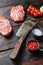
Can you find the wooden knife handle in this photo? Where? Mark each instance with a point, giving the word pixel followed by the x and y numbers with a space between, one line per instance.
pixel 16 49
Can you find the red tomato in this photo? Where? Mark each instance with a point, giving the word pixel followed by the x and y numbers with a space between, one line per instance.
pixel 28 10
pixel 33 46
pixel 35 14
pixel 36 10
pixel 33 9
pixel 39 13
pixel 32 12
pixel 30 7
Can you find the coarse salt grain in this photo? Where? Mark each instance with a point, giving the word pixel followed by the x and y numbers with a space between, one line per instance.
pixel 37 32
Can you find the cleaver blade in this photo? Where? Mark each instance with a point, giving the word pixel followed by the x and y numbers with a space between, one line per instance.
pixel 25 28
pixel 22 32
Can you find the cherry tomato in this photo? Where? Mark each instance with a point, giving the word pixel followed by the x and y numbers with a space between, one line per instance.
pixel 32 12
pixel 35 14
pixel 30 7
pixel 33 9
pixel 39 13
pixel 36 10
pixel 28 10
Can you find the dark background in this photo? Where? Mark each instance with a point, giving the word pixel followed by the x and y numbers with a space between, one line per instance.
pixel 37 3
pixel 25 57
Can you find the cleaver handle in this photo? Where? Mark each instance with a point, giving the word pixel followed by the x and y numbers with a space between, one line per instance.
pixel 16 49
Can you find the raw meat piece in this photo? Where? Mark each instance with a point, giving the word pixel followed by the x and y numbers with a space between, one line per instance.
pixel 5 27
pixel 17 13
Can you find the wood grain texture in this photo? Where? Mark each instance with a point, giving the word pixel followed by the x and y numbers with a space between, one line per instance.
pixel 36 62
pixel 25 57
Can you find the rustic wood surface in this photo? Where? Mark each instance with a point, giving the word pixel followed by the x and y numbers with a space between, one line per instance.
pixel 25 57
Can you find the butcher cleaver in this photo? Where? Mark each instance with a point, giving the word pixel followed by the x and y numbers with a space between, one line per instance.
pixel 22 33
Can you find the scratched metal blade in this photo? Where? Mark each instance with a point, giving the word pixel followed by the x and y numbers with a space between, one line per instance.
pixel 26 27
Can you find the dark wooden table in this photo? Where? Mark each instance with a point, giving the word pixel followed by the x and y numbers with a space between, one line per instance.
pixel 25 57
